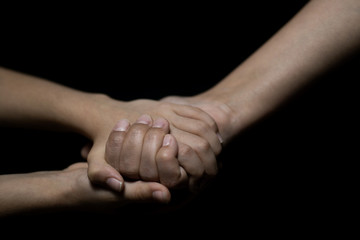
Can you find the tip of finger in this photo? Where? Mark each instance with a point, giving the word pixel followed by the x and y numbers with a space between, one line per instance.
pixel 122 125
pixel 145 119
pixel 161 123
pixel 161 196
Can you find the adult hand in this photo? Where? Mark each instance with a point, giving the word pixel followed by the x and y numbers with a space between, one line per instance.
pixel 195 131
pixel 70 189
pixel 146 151
pixel 85 194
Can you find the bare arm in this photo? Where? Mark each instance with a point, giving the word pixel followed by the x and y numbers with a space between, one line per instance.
pixel 31 101
pixel 53 191
pixel 321 35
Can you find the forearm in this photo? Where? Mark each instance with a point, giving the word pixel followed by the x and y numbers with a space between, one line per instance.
pixel 318 37
pixel 31 101
pixel 33 192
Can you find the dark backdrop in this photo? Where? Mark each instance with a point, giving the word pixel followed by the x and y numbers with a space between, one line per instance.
pixel 289 171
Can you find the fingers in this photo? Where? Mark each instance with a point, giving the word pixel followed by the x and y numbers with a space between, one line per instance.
pixel 114 143
pixel 201 129
pixel 194 144
pixel 86 194
pixel 170 172
pixel 146 153
pixel 193 127
pixel 152 143
pixel 196 113
pixel 199 144
pixel 146 192
pixel 130 157
pixel 101 173
pixel 194 166
pixel 198 122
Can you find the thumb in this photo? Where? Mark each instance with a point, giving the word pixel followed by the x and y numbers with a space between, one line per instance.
pixel 103 174
pixel 146 192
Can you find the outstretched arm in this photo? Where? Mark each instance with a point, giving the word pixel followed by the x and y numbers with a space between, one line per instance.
pixel 320 36
pixel 30 101
pixel 53 191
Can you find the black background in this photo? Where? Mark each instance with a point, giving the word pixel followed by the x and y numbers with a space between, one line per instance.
pixel 291 171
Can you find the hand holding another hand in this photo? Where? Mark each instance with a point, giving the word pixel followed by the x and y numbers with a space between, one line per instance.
pixel 146 151
pixel 189 153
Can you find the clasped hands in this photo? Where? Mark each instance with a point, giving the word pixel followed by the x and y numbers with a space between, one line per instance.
pixel 168 145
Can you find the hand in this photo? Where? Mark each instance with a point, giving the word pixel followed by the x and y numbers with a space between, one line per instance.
pixel 70 189
pixel 145 151
pixel 195 131
pixel 85 194
pixel 220 112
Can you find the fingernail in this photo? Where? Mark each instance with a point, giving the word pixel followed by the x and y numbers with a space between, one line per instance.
pixel 220 138
pixel 159 123
pixel 144 119
pixel 114 184
pixel 160 196
pixel 122 125
pixel 167 140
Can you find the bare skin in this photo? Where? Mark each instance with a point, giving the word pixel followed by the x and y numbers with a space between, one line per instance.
pixel 52 191
pixel 29 101
pixel 145 150
pixel 311 43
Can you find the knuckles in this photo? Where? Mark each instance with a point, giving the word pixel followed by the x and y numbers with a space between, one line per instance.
pixel 138 130
pixel 148 174
pixel 163 157
pixel 202 146
pixel 185 150
pixel 170 182
pixel 129 170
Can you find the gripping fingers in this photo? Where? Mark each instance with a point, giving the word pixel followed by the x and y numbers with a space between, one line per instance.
pixel 171 174
pixel 130 155
pixel 115 142
pixel 204 126
pixel 140 191
pixel 193 165
pixel 200 129
pixel 198 145
pixel 197 113
pixel 152 143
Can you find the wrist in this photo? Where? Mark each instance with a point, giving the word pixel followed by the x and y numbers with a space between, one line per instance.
pixel 57 190
pixel 248 96
pixel 93 112
pixel 218 107
pixel 237 102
